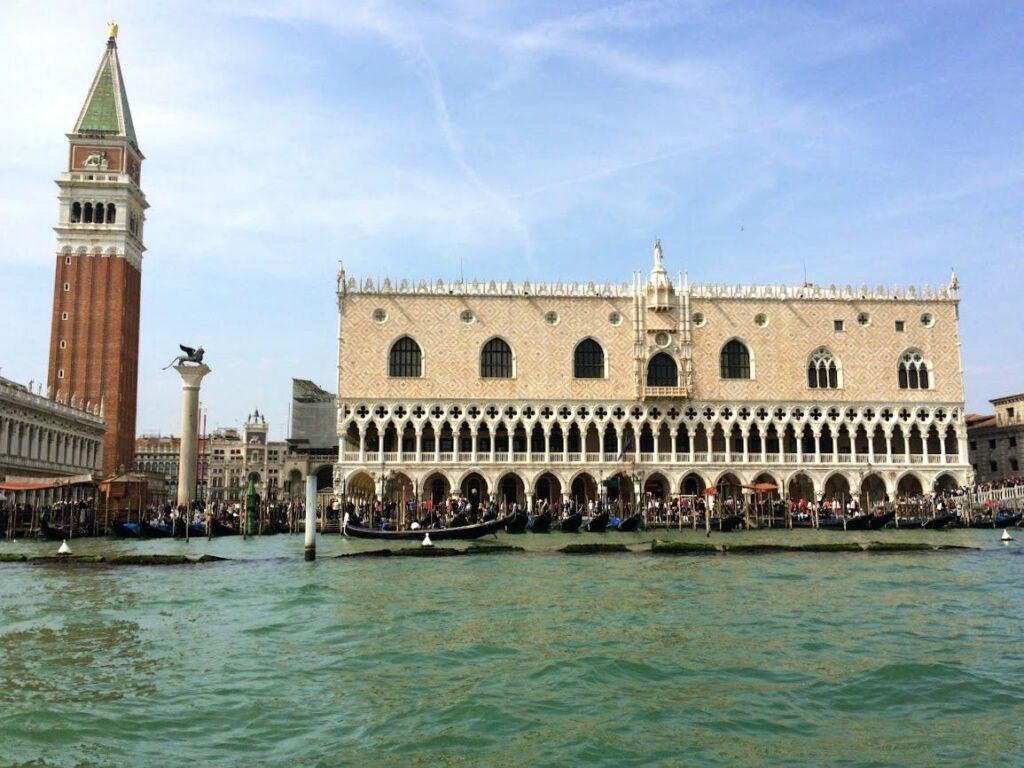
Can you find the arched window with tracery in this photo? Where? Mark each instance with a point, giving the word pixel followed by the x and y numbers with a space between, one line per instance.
pixel 405 360
pixel 662 371
pixel 914 372
pixel 588 360
pixel 496 360
pixel 822 370
pixel 735 360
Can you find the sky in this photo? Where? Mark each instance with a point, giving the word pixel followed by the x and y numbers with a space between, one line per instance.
pixel 872 143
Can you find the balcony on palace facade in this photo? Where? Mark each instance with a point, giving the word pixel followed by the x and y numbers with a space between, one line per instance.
pixel 680 458
pixel 663 393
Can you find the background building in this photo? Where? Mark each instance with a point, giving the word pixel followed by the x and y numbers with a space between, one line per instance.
pixel 94 339
pixel 314 414
pixel 157 455
pixel 996 442
pixel 548 390
pixel 313 443
pixel 44 438
pixel 235 457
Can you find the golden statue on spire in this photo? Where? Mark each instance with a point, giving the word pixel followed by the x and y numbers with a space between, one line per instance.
pixel 112 29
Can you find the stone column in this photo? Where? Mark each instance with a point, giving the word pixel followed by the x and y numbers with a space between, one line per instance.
pixel 309 550
pixel 191 379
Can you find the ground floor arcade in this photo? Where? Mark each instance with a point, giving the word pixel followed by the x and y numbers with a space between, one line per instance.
pixel 529 485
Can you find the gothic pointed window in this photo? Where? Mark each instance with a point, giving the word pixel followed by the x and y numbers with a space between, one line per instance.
pixel 913 371
pixel 662 371
pixel 496 360
pixel 735 360
pixel 823 370
pixel 588 360
pixel 405 360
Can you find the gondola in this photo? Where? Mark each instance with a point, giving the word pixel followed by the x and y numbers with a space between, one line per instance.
pixel 875 522
pixel 540 523
pixel 940 522
pixel 156 530
pixel 999 521
pixel 124 530
pixel 727 523
pixel 629 524
pixel 596 524
pixel 917 523
pixel 516 523
pixel 436 534
pixel 859 522
pixel 571 524
pixel 219 529
pixel 53 532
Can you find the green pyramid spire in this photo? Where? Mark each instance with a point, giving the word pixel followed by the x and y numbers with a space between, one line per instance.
pixel 106 108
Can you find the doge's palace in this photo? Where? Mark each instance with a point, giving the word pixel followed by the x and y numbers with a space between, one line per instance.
pixel 534 391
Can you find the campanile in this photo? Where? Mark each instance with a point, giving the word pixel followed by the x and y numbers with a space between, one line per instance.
pixel 94 337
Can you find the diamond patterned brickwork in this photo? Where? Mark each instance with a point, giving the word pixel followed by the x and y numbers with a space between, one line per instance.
pixel 543 361
pixel 868 354
pixel 451 347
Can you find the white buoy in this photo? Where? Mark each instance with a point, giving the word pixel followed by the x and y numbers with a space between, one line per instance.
pixel 426 541
pixel 64 548
pixel 1006 536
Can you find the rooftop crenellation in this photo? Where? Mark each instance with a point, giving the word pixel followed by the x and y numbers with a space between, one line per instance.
pixel 808 292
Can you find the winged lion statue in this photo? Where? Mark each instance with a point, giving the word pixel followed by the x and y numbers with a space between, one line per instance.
pixel 192 355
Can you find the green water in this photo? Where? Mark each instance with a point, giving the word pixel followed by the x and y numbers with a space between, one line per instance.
pixel 525 659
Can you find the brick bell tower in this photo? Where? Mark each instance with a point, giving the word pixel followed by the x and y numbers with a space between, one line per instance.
pixel 94 337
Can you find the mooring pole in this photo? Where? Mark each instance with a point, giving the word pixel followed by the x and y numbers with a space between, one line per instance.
pixel 311 517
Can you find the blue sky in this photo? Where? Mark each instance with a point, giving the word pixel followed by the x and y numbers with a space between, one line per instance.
pixel 875 143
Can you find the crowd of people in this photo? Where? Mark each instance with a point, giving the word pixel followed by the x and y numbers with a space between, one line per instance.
pixel 765 510
pixel 82 517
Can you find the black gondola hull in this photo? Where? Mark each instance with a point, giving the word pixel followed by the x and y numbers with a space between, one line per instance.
pixel 436 534
pixel 571 524
pixel 876 522
pixel 53 532
pixel 516 523
pixel 629 524
pixel 540 523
